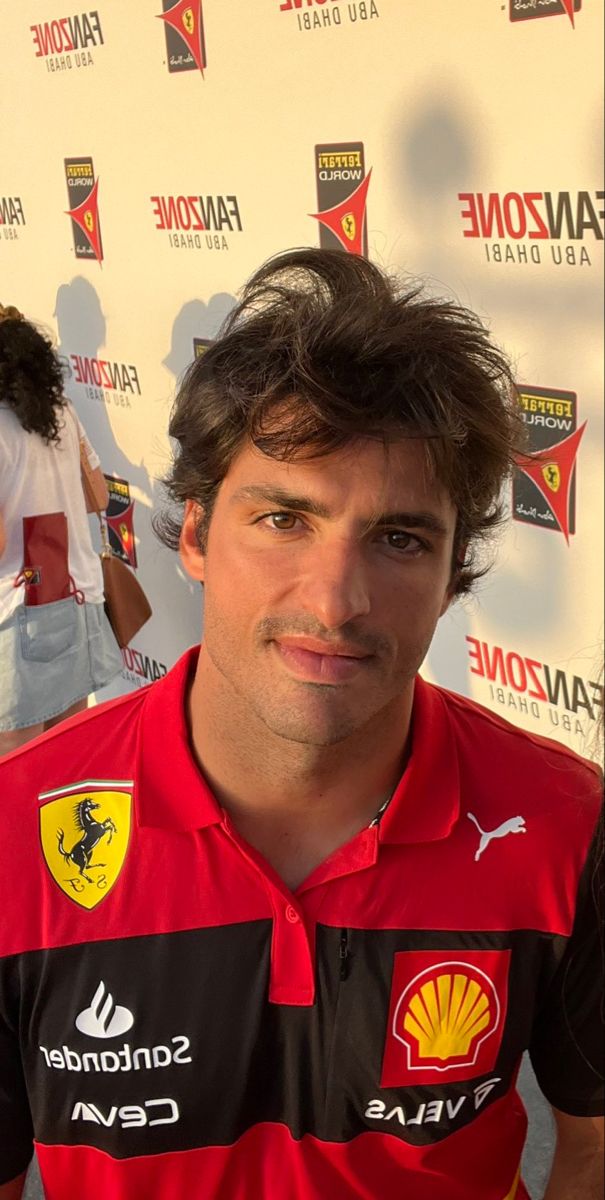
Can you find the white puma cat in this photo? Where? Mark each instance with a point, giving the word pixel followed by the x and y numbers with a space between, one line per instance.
pixel 513 825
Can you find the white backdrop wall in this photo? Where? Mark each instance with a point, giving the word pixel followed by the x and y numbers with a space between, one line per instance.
pixel 193 141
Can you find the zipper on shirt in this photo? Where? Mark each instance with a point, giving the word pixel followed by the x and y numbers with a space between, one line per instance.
pixel 343 954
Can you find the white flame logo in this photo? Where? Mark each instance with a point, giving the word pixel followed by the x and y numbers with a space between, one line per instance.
pixel 104 1019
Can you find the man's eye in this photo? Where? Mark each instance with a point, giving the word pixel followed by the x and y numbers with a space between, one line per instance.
pixel 399 540
pixel 282 521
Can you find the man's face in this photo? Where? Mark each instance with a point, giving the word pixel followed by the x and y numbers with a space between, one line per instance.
pixel 324 580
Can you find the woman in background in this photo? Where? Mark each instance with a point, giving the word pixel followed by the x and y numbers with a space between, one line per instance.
pixel 56 644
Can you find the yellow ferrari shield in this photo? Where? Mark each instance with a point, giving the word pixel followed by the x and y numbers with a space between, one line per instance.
pixel 84 833
pixel 188 20
pixel 349 226
pixel 89 220
pixel 552 476
pixel 513 1191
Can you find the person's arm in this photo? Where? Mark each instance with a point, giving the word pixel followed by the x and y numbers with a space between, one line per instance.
pixel 94 484
pixel 578 1166
pixel 567 1043
pixel 93 480
pixel 16 1125
pixel 97 497
pixel 14 1189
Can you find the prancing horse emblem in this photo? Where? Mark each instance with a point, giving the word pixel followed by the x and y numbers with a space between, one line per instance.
pixel 84 834
pixel 92 833
pixel 513 825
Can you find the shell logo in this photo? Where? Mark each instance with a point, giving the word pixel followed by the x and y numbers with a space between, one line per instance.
pixel 445 1014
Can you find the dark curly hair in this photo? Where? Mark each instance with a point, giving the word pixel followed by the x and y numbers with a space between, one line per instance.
pixel 325 348
pixel 31 379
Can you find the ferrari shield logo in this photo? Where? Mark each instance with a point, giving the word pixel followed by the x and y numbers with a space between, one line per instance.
pixel 552 476
pixel 513 1191
pixel 349 226
pixel 84 832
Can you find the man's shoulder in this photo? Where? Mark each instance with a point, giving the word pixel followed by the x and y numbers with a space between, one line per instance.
pixel 487 742
pixel 99 742
pixel 45 788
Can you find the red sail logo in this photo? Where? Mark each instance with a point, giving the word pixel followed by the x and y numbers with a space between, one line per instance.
pixel 551 470
pixel 185 17
pixel 569 9
pixel 86 216
pixel 347 219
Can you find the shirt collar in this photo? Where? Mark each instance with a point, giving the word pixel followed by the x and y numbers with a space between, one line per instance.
pixel 171 792
pixel 426 802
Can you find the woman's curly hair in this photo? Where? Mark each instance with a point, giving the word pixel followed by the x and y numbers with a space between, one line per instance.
pixel 31 379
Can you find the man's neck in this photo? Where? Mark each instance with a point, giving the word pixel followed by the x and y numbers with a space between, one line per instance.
pixel 293 802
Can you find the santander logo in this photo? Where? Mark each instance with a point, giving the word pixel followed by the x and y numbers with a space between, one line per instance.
pixel 103 1018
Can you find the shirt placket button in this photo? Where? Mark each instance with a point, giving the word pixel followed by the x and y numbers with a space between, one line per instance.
pixel 292 915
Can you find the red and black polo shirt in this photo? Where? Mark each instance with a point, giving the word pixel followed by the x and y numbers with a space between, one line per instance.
pixel 175 1022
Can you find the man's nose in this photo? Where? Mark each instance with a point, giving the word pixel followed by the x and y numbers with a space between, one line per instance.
pixel 336 587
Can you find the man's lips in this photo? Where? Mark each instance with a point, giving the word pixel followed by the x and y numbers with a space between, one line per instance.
pixel 317 646
pixel 321 662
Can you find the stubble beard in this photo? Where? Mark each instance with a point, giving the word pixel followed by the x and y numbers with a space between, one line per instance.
pixel 309 714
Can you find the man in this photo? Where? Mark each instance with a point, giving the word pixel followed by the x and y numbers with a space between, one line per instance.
pixel 282 925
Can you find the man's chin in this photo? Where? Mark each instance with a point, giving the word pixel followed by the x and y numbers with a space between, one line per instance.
pixel 311 730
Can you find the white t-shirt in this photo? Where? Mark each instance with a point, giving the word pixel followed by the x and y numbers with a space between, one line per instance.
pixel 37 478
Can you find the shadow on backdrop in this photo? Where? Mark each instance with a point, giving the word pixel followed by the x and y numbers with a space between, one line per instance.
pixel 441 149
pixel 195 320
pixel 82 330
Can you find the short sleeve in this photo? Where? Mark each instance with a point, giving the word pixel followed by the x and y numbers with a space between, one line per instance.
pixel 16 1132
pixel 6 458
pixel 567 1047
pixel 91 454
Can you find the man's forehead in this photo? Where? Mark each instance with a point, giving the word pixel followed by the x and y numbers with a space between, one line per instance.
pixel 380 477
pixel 392 459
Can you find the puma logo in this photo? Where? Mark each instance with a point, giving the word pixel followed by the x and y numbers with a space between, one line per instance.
pixel 513 825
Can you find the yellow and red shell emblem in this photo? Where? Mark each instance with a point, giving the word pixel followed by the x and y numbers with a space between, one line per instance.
pixel 444 1014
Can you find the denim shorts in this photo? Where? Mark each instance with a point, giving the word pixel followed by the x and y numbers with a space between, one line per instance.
pixel 52 655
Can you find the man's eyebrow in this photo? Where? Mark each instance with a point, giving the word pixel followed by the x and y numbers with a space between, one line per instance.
pixel 285 499
pixel 412 520
pixel 282 498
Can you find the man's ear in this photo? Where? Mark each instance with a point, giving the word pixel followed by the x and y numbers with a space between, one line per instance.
pixel 449 597
pixel 192 557
pixel 452 591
